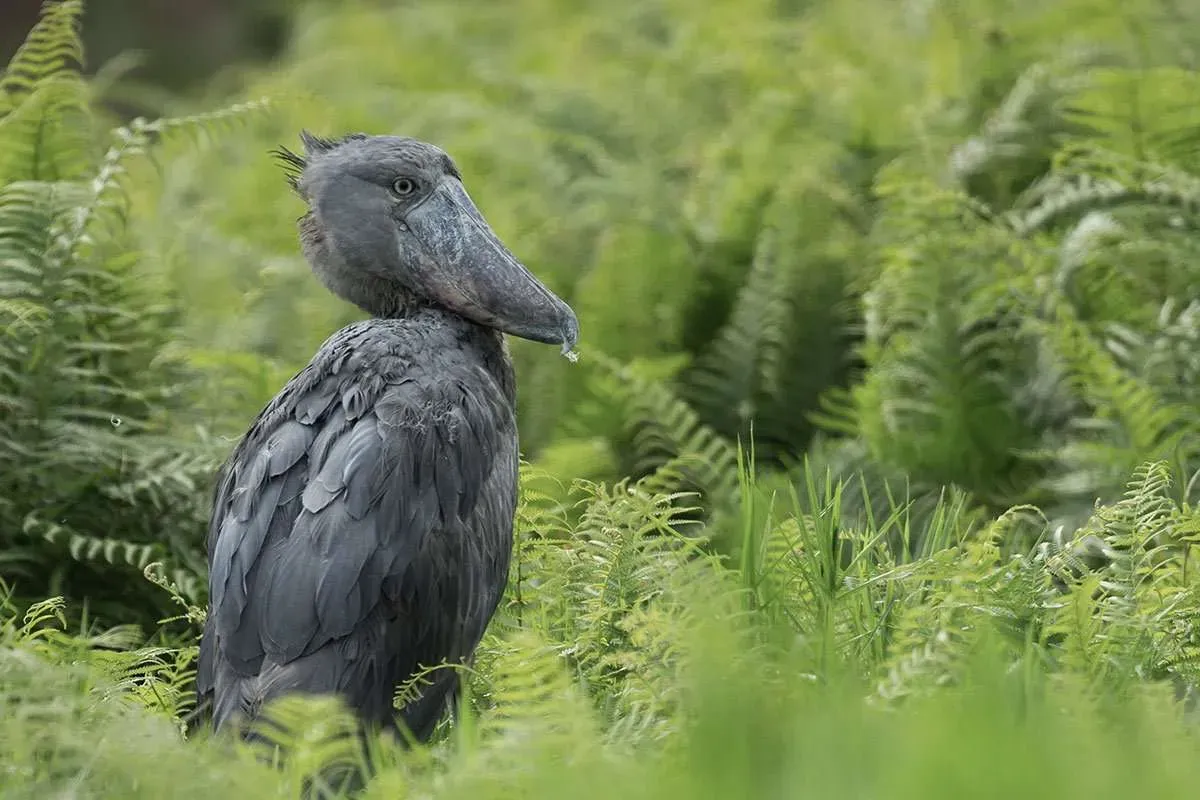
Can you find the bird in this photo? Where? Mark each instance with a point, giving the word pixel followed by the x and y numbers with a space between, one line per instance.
pixel 362 527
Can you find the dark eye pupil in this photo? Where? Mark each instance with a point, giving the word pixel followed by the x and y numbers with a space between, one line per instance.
pixel 403 186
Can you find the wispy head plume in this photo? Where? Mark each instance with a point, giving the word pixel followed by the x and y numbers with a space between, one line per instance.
pixel 314 146
pixel 293 166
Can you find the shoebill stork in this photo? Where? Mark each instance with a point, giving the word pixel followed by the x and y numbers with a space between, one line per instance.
pixel 362 528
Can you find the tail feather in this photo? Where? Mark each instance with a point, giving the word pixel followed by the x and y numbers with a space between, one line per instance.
pixel 233 700
pixel 323 672
pixel 365 685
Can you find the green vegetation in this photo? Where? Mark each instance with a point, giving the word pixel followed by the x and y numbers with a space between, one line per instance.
pixel 875 478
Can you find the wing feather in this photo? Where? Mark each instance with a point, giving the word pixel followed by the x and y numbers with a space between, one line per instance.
pixel 361 491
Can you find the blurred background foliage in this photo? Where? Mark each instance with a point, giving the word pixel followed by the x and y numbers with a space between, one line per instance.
pixel 751 205
pixel 929 264
pixel 164 47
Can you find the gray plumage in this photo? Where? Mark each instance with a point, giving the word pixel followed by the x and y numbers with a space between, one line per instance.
pixel 362 528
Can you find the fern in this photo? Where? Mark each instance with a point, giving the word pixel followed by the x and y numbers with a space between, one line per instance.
pixel 1090 179
pixel 94 478
pixel 1017 140
pixel 1130 424
pixel 1146 114
pixel 664 429
pixel 1129 619
pixel 43 102
pixel 786 340
pixel 610 592
pixel 1164 355
pixel 945 349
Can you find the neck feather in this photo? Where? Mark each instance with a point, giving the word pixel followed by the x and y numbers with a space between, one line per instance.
pixel 377 296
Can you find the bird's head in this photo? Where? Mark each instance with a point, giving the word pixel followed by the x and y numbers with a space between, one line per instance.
pixel 390 223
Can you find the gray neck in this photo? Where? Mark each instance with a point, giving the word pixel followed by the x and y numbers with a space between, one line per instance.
pixel 376 296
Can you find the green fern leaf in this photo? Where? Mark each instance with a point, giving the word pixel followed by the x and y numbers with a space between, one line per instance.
pixel 51 48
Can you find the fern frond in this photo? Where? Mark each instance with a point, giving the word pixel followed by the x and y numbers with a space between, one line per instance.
pixel 531 693
pixel 162 472
pixel 1089 179
pixel 747 353
pixel 316 742
pixel 1019 135
pixel 51 48
pixel 85 548
pixel 958 599
pixel 664 427
pixel 1129 421
pixel 1137 600
pixel 787 338
pixel 945 347
pixel 1148 113
pixel 49 136
pixel 1167 356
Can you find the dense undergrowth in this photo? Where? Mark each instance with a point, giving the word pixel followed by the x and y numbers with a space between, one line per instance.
pixel 876 475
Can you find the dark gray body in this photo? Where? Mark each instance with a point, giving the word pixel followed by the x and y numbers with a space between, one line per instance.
pixel 362 529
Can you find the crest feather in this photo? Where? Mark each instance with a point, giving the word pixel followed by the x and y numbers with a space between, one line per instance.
pixel 295 164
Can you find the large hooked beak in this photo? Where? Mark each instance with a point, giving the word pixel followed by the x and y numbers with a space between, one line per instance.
pixel 466 267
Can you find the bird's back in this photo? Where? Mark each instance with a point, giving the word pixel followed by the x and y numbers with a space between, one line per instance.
pixel 362 528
